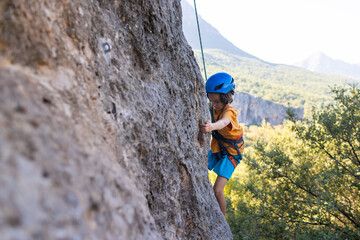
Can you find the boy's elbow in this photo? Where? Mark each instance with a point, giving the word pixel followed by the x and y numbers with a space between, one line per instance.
pixel 225 123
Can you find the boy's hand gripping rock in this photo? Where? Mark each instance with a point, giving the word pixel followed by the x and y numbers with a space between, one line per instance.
pixel 207 127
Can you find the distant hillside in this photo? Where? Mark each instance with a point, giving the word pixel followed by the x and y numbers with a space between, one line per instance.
pixel 211 38
pixel 253 110
pixel 319 62
pixel 281 84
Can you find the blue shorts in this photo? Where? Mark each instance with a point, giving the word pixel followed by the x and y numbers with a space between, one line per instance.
pixel 221 164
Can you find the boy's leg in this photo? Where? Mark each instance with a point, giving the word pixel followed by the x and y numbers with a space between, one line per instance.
pixel 219 192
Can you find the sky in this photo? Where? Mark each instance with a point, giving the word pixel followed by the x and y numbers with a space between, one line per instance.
pixel 287 31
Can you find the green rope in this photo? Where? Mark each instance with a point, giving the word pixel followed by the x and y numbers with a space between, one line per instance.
pixel 202 51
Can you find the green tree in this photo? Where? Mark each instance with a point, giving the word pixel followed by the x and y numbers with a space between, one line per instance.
pixel 334 133
pixel 302 181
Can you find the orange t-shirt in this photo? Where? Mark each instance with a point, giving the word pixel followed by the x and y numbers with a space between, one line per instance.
pixel 231 131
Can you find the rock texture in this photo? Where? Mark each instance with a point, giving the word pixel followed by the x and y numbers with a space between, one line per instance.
pixel 253 110
pixel 99 144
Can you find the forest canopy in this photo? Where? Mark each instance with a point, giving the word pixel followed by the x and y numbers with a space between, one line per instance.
pixel 301 180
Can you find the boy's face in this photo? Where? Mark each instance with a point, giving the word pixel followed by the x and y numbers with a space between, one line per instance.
pixel 216 102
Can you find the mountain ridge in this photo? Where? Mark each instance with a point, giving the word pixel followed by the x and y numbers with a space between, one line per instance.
pixel 211 37
pixel 319 62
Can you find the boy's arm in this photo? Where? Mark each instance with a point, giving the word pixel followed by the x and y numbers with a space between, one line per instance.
pixel 218 125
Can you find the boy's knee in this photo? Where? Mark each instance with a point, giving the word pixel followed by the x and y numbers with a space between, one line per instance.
pixel 218 192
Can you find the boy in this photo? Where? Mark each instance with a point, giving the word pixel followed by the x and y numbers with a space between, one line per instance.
pixel 227 144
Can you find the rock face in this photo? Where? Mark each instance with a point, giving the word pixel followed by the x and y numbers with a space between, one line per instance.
pixel 253 110
pixel 99 138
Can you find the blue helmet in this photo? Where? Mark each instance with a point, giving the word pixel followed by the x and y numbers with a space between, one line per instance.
pixel 220 83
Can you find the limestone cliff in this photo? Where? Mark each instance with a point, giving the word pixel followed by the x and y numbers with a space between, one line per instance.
pixel 99 138
pixel 253 110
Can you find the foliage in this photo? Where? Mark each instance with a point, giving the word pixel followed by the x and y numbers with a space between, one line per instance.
pixel 302 180
pixel 275 82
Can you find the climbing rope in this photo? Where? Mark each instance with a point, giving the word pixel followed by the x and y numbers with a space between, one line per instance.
pixel 202 51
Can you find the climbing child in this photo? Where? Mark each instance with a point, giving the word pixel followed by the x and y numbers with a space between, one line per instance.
pixel 227 143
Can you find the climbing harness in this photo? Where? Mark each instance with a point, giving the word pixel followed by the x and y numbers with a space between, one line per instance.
pixel 198 26
pixel 221 140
